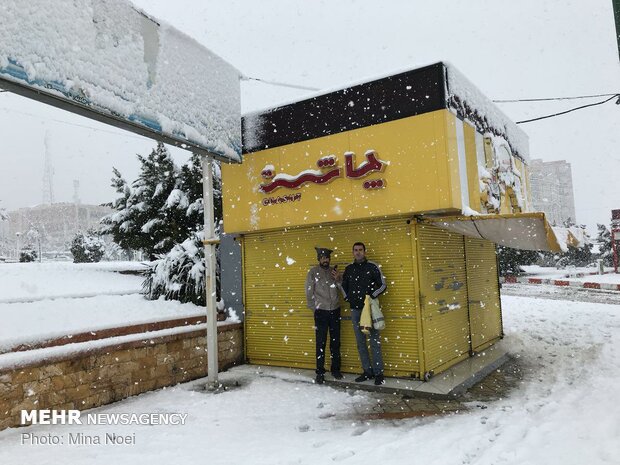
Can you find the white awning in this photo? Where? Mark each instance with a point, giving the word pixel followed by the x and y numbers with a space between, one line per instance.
pixel 525 231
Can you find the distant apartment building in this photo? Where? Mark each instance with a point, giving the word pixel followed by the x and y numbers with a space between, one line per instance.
pixel 552 190
pixel 54 226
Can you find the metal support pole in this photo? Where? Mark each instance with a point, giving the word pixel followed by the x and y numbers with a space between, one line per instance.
pixel 615 249
pixel 210 242
pixel 616 6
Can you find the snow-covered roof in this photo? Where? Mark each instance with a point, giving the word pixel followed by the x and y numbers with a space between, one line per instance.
pixel 399 94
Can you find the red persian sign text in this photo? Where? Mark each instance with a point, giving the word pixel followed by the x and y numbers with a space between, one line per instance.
pixel 327 172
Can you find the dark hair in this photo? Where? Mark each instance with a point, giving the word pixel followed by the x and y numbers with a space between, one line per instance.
pixel 360 243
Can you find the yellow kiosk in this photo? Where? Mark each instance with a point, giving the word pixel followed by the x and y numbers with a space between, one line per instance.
pixel 419 166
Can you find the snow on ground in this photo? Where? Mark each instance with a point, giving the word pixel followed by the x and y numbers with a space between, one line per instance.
pixel 41 301
pixel 563 413
pixel 24 323
pixel 569 274
pixel 32 281
pixel 550 272
pixel 611 278
pixel 576 294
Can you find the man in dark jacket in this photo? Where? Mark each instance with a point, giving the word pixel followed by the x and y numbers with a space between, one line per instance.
pixel 362 278
pixel 323 298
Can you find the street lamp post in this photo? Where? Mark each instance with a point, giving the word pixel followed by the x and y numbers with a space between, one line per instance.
pixel 17 235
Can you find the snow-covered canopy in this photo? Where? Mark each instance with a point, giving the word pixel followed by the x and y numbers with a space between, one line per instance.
pixel 114 59
pixel 574 236
pixel 580 235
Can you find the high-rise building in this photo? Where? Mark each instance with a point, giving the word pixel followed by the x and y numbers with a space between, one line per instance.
pixel 552 190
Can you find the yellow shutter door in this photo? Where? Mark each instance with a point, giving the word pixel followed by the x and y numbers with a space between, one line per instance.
pixel 484 304
pixel 279 327
pixel 443 297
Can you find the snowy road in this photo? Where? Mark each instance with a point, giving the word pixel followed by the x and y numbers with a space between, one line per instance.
pixel 564 412
pixel 542 291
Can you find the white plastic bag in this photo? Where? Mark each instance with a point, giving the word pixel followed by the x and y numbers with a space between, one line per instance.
pixel 378 322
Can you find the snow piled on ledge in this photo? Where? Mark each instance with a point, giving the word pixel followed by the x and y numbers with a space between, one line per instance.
pixel 470 103
pixel 112 57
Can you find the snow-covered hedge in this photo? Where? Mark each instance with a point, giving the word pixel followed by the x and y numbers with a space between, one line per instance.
pixel 28 255
pixel 87 248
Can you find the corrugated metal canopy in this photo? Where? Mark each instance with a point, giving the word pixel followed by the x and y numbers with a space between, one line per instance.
pixel 525 231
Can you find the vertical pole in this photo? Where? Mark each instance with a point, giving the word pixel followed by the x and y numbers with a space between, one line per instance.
pixel 616 6
pixel 615 251
pixel 210 243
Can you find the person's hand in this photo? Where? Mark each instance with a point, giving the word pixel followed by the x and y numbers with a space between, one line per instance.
pixel 337 275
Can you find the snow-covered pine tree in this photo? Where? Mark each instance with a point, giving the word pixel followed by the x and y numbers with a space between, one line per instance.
pixel 120 224
pixel 511 260
pixel 161 213
pixel 179 274
pixel 604 244
pixel 150 203
pixel 191 185
pixel 152 213
pixel 4 247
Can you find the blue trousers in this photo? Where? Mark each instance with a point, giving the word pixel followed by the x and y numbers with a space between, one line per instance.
pixel 362 347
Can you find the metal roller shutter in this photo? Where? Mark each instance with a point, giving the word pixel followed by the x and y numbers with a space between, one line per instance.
pixel 483 290
pixel 443 297
pixel 278 325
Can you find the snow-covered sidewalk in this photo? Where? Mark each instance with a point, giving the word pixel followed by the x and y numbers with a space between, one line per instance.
pixel 564 412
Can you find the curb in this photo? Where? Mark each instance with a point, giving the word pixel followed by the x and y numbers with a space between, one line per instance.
pixel 560 282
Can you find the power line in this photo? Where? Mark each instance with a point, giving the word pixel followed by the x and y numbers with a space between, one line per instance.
pixel 277 83
pixel 542 99
pixel 553 98
pixel 572 109
pixel 296 86
pixel 71 124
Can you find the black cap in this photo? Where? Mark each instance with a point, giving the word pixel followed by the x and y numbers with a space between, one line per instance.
pixel 322 252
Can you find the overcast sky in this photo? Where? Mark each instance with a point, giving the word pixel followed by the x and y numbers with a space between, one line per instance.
pixel 526 49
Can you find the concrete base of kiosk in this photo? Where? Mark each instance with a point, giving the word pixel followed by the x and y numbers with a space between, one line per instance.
pixel 449 384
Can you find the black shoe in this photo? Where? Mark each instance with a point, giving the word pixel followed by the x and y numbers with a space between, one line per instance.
pixel 363 377
pixel 379 380
pixel 337 375
pixel 320 378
